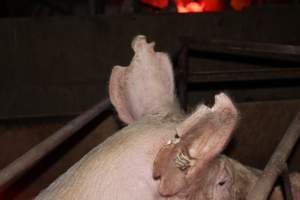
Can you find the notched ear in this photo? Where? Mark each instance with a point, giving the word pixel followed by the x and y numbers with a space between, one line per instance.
pixel 203 135
pixel 146 86
pixel 208 130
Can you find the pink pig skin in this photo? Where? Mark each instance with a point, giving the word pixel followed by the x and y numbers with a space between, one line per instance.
pixel 140 162
pixel 121 167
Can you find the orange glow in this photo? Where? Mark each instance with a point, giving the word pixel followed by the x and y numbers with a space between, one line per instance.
pixel 240 4
pixel 190 7
pixel 214 5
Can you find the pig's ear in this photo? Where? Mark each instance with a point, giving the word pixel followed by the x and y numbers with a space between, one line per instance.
pixel 207 131
pixel 203 135
pixel 117 93
pixel 146 86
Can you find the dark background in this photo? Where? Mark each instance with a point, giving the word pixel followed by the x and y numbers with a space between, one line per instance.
pixel 54 66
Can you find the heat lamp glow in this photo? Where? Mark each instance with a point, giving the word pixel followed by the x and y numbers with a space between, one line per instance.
pixel 196 6
pixel 191 7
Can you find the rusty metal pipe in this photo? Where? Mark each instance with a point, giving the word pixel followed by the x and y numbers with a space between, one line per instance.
pixel 18 167
pixel 277 163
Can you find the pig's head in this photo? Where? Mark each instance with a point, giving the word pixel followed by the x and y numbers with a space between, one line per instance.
pixel 187 166
pixel 146 87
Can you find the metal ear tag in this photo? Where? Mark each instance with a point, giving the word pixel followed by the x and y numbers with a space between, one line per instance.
pixel 182 161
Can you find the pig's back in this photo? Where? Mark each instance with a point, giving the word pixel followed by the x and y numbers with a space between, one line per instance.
pixel 119 168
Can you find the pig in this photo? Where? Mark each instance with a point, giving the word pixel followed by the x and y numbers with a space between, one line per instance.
pixel 163 154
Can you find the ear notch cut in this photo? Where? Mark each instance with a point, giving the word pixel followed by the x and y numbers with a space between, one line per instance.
pixel 207 131
pixel 203 135
pixel 145 86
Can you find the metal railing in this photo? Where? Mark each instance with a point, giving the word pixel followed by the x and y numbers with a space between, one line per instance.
pixel 22 164
pixel 277 165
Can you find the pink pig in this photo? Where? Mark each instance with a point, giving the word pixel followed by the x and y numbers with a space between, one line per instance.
pixel 162 153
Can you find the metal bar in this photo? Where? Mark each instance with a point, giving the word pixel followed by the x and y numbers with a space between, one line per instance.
pixel 284 52
pixel 287 183
pixel 259 47
pixel 14 170
pixel 276 164
pixel 244 75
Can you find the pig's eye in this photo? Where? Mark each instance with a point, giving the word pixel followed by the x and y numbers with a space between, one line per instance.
pixel 221 183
